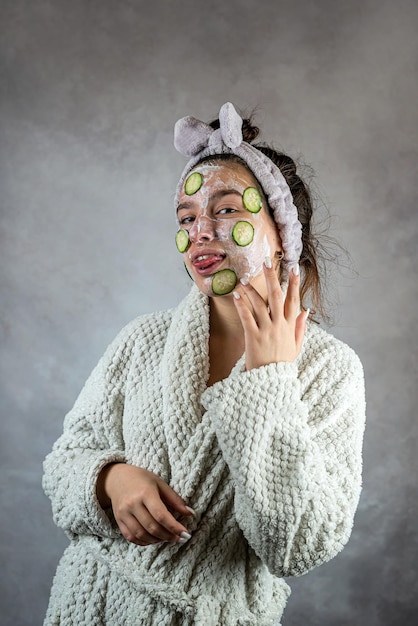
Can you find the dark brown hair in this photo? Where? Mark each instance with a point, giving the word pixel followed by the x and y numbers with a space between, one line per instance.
pixel 311 283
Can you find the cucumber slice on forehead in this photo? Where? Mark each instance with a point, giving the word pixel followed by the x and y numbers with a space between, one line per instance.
pixel 243 233
pixel 182 240
pixel 224 282
pixel 193 183
pixel 252 200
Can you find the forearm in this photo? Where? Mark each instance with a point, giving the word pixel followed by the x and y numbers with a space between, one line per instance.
pixel 91 440
pixel 70 481
pixel 297 488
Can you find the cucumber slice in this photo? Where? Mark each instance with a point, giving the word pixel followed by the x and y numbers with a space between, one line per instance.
pixel 193 183
pixel 223 282
pixel 243 233
pixel 252 200
pixel 182 240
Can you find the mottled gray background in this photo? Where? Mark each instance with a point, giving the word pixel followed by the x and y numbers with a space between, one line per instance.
pixel 90 91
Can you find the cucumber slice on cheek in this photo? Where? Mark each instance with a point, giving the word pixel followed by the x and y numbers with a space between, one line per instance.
pixel 243 233
pixel 251 199
pixel 182 240
pixel 224 282
pixel 193 183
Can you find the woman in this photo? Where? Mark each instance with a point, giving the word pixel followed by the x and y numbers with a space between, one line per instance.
pixel 216 447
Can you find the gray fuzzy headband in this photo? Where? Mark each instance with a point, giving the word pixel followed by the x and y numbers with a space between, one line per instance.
pixel 197 140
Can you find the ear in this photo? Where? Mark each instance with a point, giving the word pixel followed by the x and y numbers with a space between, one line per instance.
pixel 278 257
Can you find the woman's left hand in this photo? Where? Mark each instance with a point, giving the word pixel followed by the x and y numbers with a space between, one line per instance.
pixel 274 331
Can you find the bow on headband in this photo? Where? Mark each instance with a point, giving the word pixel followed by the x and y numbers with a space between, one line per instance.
pixel 191 136
pixel 197 140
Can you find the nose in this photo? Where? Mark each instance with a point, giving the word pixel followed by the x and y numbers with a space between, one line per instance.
pixel 203 229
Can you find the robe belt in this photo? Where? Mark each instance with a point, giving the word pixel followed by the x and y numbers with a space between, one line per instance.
pixel 203 609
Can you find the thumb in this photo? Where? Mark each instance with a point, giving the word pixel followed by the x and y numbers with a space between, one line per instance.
pixel 172 499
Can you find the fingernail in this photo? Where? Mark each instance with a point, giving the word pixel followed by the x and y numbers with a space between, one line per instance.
pixel 185 535
pixel 295 269
pixel 308 310
pixel 267 262
pixel 236 295
pixel 243 281
pixel 192 511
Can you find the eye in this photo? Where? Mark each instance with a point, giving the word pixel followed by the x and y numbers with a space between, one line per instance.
pixel 226 210
pixel 186 220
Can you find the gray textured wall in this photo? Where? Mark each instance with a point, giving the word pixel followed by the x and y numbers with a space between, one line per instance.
pixel 89 94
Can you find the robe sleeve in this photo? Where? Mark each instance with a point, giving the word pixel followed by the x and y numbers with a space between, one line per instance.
pixel 92 438
pixel 293 441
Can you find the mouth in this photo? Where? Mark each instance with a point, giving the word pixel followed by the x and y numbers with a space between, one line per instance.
pixel 206 264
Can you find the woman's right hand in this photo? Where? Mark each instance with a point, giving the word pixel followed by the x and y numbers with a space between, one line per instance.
pixel 139 501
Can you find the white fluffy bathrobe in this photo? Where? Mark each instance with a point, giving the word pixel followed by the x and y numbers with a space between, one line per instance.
pixel 270 459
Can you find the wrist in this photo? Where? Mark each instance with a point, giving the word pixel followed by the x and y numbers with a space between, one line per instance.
pixel 102 485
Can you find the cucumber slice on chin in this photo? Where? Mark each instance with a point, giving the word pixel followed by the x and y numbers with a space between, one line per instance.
pixel 243 233
pixel 252 200
pixel 182 240
pixel 193 183
pixel 224 282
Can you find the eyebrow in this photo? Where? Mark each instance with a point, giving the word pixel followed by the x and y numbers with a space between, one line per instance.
pixel 216 196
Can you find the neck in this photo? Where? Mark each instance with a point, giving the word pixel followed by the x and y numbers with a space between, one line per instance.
pixel 224 319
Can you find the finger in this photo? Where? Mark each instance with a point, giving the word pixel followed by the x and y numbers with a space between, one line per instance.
pixel 245 314
pixel 259 307
pixel 135 533
pixel 274 291
pixel 292 300
pixel 162 516
pixel 154 529
pixel 172 499
pixel 300 328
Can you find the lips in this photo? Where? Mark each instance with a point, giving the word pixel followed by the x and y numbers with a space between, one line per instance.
pixel 207 262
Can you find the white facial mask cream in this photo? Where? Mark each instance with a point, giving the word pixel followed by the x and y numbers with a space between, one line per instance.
pixel 245 261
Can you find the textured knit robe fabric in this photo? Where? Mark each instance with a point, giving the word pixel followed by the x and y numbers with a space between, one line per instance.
pixel 270 460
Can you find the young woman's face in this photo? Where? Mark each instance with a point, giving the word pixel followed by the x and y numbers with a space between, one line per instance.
pixel 209 216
